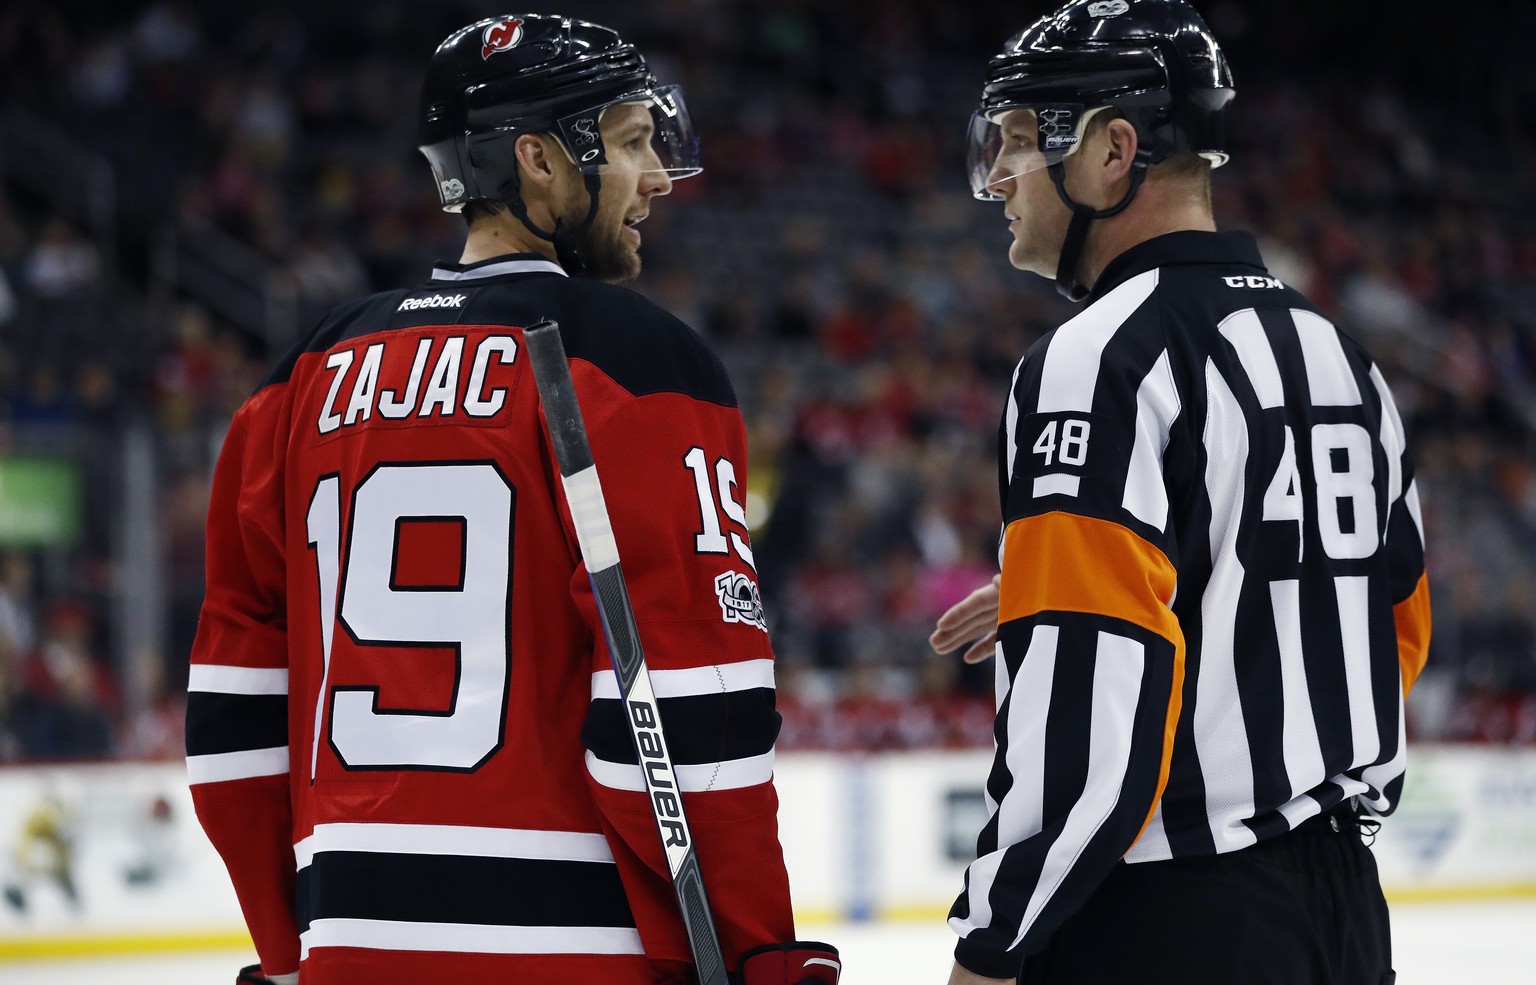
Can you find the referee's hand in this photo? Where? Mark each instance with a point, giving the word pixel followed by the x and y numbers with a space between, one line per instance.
pixel 972 617
pixel 960 976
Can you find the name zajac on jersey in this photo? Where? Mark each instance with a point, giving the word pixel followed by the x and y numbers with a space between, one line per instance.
pixel 357 392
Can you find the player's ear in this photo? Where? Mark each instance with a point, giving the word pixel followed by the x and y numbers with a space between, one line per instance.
pixel 538 158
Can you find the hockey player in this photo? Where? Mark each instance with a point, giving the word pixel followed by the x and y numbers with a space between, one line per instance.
pixel 1212 599
pixel 404 733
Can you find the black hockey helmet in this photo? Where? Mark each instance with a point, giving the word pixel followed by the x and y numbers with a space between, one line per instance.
pixel 1155 61
pixel 494 80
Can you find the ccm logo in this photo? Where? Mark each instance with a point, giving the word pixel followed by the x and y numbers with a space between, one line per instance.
pixel 653 759
pixel 435 301
pixel 1259 282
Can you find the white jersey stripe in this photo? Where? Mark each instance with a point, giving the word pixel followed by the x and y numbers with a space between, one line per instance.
pixel 1351 786
pixel 710 679
pixel 1329 377
pixel 1392 442
pixel 453 839
pixel 693 778
pixel 1072 361
pixel 1056 484
pixel 1414 509
pixel 1299 743
pixel 1153 843
pixel 1354 604
pixel 399 935
pixel 981 876
pixel 1011 421
pixel 1298 809
pixel 226 679
pixel 1022 811
pixel 1157 406
pixel 1119 663
pixel 243 765
pixel 1219 727
pixel 1000 685
pixel 500 270
pixel 1379 776
pixel 1246 334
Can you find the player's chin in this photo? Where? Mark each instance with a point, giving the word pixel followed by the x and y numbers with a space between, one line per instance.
pixel 614 262
pixel 626 269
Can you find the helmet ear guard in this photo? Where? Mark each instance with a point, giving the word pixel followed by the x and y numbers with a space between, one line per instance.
pixel 456 181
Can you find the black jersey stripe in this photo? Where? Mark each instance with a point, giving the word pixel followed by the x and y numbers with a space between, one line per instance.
pixel 219 723
pixel 701 728
pixel 515 892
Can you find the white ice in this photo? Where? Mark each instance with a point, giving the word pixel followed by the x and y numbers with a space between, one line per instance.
pixel 1433 944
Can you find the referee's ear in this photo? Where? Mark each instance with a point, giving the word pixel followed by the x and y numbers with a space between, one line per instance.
pixel 1116 152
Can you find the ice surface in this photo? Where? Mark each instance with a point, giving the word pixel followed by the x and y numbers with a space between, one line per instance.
pixel 1434 944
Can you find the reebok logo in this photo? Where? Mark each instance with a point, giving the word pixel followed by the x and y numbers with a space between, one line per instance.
pixel 435 301
pixel 1254 282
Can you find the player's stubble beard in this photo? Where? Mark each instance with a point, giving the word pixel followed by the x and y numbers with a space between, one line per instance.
pixel 602 247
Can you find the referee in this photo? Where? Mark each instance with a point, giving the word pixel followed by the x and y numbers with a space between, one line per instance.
pixel 1212 598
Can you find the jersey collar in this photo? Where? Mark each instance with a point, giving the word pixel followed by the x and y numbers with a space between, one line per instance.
pixel 1190 246
pixel 512 263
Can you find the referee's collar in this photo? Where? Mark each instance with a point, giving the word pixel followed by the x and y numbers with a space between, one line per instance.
pixel 509 263
pixel 1188 246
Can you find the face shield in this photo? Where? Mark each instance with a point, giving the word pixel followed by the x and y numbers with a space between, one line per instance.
pixel 640 132
pixel 1007 143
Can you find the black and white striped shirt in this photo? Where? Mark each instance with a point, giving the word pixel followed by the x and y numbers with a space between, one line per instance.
pixel 1213 594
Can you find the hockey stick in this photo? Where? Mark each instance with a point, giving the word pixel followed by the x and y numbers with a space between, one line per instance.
pixel 594 532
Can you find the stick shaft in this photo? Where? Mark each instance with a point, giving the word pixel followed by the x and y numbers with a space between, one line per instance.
pixel 594 531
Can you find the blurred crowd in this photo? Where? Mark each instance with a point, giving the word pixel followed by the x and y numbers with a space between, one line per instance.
pixel 830 251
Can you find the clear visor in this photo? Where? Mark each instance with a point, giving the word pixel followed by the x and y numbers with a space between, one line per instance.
pixel 641 132
pixel 1012 142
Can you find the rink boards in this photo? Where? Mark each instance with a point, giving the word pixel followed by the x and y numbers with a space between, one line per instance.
pixel 866 837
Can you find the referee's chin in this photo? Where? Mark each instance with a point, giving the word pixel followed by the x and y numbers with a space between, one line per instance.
pixel 1029 261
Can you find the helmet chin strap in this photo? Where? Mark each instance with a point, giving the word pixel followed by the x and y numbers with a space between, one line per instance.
pixel 1082 217
pixel 566 240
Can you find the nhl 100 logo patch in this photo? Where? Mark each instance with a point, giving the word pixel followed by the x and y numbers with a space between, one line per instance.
pixel 740 600
pixel 1109 8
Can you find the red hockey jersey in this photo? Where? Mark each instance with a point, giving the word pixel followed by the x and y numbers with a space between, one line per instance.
pixel 403 731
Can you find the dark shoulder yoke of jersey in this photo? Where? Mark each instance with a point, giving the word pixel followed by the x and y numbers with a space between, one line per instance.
pixel 1214 274
pixel 633 341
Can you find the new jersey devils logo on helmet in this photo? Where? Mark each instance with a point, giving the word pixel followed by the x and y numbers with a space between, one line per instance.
pixel 501 36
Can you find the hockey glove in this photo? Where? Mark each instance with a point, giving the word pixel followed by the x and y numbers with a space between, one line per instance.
pixel 790 963
pixel 251 975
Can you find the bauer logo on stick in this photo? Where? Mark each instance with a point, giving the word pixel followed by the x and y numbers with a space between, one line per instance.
pixel 501 36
